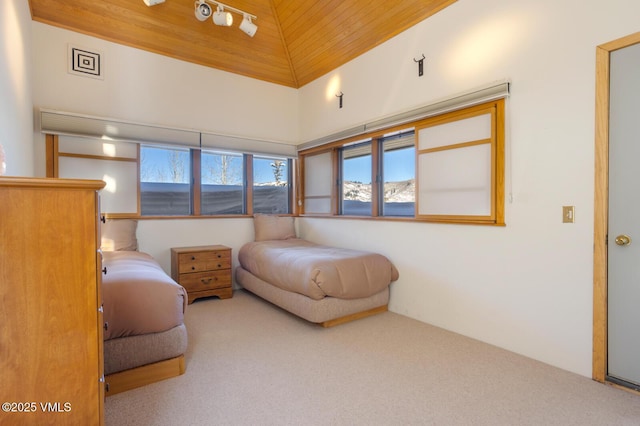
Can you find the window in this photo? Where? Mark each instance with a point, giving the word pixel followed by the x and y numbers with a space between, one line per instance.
pixel 391 158
pixel 114 162
pixel 164 181
pixel 445 168
pixel 398 175
pixel 356 190
pixel 461 166
pixel 182 181
pixel 318 183
pixel 222 177
pixel 271 189
pixel 177 173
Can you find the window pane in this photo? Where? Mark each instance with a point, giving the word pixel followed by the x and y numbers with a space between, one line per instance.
pixel 317 183
pixel 456 181
pixel 356 180
pixel 271 185
pixel 222 190
pixel 120 195
pixel 459 131
pixel 164 181
pixel 399 191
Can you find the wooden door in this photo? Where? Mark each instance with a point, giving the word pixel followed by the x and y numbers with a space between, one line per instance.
pixel 605 238
pixel 623 242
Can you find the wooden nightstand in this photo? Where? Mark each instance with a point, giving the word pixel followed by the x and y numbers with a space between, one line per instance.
pixel 203 271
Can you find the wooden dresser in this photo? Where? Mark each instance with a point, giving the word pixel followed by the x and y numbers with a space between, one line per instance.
pixel 203 270
pixel 51 358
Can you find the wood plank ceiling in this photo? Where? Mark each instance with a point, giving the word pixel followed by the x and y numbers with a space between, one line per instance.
pixel 297 41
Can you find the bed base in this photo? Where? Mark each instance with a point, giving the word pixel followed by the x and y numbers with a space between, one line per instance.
pixel 144 375
pixel 327 312
pixel 353 317
pixel 134 361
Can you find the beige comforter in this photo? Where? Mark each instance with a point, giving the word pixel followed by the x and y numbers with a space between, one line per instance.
pixel 317 271
pixel 138 296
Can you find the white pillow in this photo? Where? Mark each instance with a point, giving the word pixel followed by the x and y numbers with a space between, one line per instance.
pixel 270 227
pixel 119 235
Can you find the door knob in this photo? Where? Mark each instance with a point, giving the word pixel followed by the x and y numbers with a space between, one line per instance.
pixel 623 240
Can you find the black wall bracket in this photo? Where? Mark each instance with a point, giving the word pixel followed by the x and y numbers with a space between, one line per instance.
pixel 420 65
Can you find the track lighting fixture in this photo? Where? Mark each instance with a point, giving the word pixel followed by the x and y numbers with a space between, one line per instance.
pixel 248 27
pixel 224 18
pixel 203 10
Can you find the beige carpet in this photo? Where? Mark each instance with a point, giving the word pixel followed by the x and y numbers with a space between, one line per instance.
pixel 250 363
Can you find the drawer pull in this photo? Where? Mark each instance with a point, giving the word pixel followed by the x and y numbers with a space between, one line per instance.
pixel 193 258
pixel 106 326
pixel 193 268
pixel 205 280
pixel 219 265
pixel 104 270
pixel 219 255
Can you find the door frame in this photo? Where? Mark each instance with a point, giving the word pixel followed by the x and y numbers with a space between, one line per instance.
pixel 601 201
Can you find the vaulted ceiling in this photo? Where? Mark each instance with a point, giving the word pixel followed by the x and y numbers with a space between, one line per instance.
pixel 297 41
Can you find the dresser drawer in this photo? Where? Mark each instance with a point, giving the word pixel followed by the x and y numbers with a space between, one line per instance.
pixel 201 281
pixel 204 261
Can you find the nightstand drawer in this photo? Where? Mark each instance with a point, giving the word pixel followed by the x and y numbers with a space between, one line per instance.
pixel 204 261
pixel 205 280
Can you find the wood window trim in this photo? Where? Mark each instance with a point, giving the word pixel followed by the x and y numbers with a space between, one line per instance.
pixel 376 200
pixel 332 197
pixel 52 168
pixel 51 148
pixel 497 168
pixel 196 182
pixel 248 170
pixel 496 109
pixel 53 154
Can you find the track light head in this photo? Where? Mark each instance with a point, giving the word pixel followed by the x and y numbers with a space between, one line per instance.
pixel 203 10
pixel 248 27
pixel 222 18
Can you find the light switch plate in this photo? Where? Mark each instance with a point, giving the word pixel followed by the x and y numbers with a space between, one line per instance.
pixel 568 214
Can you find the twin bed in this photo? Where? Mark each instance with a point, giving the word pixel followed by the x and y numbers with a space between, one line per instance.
pixel 322 284
pixel 143 312
pixel 145 337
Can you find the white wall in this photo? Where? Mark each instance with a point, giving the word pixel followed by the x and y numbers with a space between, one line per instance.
pixel 143 87
pixel 528 286
pixel 16 117
pixel 148 88
pixel 156 237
